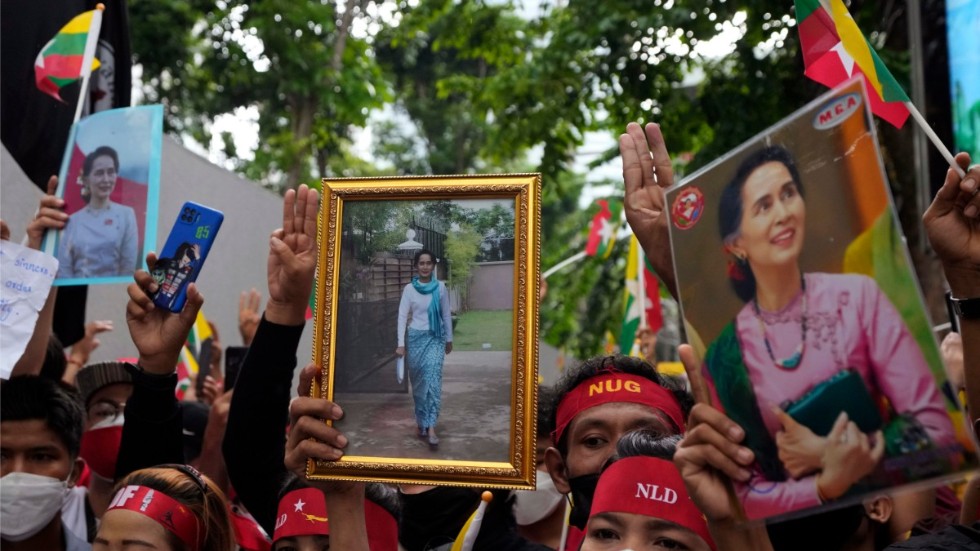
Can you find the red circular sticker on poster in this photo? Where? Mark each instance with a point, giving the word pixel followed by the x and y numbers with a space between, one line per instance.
pixel 687 208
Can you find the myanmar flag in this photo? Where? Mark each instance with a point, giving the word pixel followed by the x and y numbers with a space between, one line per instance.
pixel 602 233
pixel 649 298
pixel 187 369
pixel 60 61
pixel 834 50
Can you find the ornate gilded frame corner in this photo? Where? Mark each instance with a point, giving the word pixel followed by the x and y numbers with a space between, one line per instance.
pixel 525 189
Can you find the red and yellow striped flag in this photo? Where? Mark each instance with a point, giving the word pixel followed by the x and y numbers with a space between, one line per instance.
pixel 61 60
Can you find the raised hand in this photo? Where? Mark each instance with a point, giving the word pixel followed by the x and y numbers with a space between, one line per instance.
pixel 710 454
pixel 292 258
pixel 81 350
pixel 158 333
pixel 50 216
pixel 647 172
pixel 800 449
pixel 249 314
pixel 952 223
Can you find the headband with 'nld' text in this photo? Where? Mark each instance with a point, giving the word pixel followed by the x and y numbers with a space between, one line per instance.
pixel 651 487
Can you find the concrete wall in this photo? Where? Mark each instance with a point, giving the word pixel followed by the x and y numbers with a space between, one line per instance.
pixel 237 262
pixel 491 286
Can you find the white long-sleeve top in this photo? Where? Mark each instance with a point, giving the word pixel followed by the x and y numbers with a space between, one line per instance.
pixel 414 311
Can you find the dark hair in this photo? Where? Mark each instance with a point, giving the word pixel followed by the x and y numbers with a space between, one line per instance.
pixel 29 397
pixel 419 254
pixel 646 442
pixel 624 364
pixel 730 209
pixel 55 364
pixel 102 151
pixel 385 497
pixel 182 250
pixel 199 494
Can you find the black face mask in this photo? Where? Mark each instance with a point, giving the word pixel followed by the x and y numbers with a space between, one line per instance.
pixel 582 492
pixel 434 517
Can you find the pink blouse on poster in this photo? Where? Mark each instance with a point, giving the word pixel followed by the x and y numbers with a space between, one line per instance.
pixel 850 324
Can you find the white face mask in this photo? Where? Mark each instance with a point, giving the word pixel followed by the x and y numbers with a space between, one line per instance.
pixel 28 502
pixel 532 506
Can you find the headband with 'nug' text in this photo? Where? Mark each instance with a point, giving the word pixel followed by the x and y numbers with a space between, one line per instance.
pixel 613 386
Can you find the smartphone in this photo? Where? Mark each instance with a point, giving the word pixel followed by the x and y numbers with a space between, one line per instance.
pixel 182 257
pixel 234 358
pixel 203 367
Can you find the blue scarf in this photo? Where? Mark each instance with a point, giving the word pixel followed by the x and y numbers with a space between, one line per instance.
pixel 435 311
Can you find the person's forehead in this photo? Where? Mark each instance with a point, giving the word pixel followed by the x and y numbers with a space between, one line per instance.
pixel 628 415
pixel 122 524
pixel 771 173
pixel 103 161
pixel 115 392
pixel 649 525
pixel 29 434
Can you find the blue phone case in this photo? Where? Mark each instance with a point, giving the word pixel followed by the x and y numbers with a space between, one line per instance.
pixel 183 255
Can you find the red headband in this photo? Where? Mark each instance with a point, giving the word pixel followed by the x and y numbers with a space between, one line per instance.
pixel 165 510
pixel 302 513
pixel 651 487
pixel 382 528
pixel 614 386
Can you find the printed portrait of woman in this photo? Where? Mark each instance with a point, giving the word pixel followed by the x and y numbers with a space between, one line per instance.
pixel 818 368
pixel 102 238
pixel 425 311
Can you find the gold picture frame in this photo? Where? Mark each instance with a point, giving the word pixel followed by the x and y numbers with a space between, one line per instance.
pixel 363 276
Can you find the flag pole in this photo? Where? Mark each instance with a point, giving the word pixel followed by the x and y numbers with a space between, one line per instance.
pixel 570 260
pixel 921 121
pixel 91 42
pixel 641 286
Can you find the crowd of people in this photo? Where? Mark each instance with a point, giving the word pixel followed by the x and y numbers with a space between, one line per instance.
pixel 104 455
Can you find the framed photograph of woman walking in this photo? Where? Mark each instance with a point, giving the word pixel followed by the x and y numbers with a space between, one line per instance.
pixel 815 336
pixel 109 180
pixel 426 324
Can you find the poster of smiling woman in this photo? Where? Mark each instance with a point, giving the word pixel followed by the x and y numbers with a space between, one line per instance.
pixel 793 271
pixel 109 179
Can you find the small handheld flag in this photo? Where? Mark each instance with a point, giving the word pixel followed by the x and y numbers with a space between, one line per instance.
pixel 834 50
pixel 63 59
pixel 467 536
pixel 602 233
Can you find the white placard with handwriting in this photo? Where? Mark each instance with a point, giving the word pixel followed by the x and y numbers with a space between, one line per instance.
pixel 26 277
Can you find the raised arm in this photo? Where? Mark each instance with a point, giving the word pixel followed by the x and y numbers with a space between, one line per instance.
pixel 153 430
pixel 647 172
pixel 50 216
pixel 952 223
pixel 255 435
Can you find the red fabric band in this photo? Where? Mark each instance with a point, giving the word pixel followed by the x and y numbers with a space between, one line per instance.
pixel 651 487
pixel 302 513
pixel 382 528
pixel 614 386
pixel 165 510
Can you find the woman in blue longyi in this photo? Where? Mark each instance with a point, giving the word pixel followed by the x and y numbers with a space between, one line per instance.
pixel 425 309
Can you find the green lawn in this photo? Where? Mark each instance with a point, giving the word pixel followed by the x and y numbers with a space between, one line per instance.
pixel 477 327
